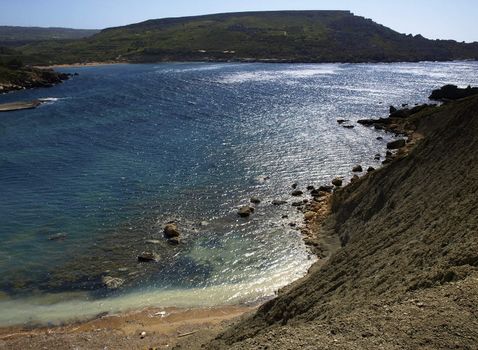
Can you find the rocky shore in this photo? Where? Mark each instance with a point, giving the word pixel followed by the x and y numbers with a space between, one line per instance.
pixel 28 78
pixel 405 275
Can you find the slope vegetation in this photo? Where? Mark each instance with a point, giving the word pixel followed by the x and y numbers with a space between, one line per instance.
pixel 13 36
pixel 407 274
pixel 295 36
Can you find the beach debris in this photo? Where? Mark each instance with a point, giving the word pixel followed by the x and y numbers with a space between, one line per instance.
pixel 337 182
pixel 357 169
pixel 112 282
pixel 148 257
pixel 255 200
pixel 171 230
pixel 245 211
pixel 162 314
pixel 142 334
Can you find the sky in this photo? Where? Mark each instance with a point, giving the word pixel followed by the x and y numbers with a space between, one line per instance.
pixel 434 19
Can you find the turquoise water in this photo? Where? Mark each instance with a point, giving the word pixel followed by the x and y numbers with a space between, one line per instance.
pixel 120 150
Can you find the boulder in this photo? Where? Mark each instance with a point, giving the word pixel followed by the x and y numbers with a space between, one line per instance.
pixel 245 211
pixel 357 169
pixel 255 200
pixel 337 182
pixel 396 144
pixel 297 193
pixel 370 169
pixel 148 257
pixel 112 282
pixel 328 189
pixel 171 230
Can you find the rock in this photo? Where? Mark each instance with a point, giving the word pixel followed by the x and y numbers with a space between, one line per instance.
pixel 348 126
pixel 380 138
pixel 354 178
pixel 294 186
pixel 171 230
pixel 396 144
pixel 370 169
pixel 308 216
pixel 392 109
pixel 404 105
pixel 58 237
pixel 297 204
pixel 337 182
pixel 452 92
pixel 255 200
pixel 174 241
pixel 285 216
pixel 245 211
pixel 377 156
pixel 341 121
pixel 292 224
pixel 328 189
pixel 204 223
pixel 310 188
pixel 142 335
pixel 357 169
pixel 297 193
pixel 278 202
pixel 148 257
pixel 112 282
pixel 317 193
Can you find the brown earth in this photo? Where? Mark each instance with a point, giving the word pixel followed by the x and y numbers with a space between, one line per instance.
pixel 407 275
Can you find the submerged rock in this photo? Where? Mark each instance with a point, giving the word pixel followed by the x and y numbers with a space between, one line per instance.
pixel 148 257
pixel 245 211
pixel 255 200
pixel 341 121
pixel 278 202
pixel 327 189
pixel 171 230
pixel 297 193
pixel 112 282
pixel 58 237
pixel 174 241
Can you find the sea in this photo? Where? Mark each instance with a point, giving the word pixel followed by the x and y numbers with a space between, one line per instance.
pixel 89 179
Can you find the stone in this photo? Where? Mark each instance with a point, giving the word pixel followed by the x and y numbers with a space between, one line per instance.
pixel 204 223
pixel 255 200
pixel 112 282
pixel 310 188
pixel 171 230
pixel 294 186
pixel 245 211
pixel 396 144
pixel 380 138
pixel 392 109
pixel 285 216
pixel 348 126
pixel 341 121
pixel 278 202
pixel 297 193
pixel 377 156
pixel 337 182
pixel 174 241
pixel 370 169
pixel 354 178
pixel 357 169
pixel 328 189
pixel 297 204
pixel 148 257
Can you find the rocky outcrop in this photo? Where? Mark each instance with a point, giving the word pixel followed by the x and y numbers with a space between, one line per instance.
pixel 148 257
pixel 452 92
pixel 171 231
pixel 245 211
pixel 28 78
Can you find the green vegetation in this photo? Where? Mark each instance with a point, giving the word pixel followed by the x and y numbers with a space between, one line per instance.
pixel 18 36
pixel 295 36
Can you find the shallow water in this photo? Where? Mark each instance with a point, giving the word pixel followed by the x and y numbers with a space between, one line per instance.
pixel 120 150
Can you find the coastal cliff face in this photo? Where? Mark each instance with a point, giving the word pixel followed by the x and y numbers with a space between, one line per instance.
pixel 27 78
pixel 407 275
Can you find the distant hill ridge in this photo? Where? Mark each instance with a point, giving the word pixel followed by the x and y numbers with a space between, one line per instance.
pixel 279 36
pixel 13 36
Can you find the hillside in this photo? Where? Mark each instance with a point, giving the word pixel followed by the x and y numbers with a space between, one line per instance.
pixel 12 36
pixel 296 36
pixel 407 274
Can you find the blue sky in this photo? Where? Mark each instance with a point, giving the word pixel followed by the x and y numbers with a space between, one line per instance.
pixel 443 19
